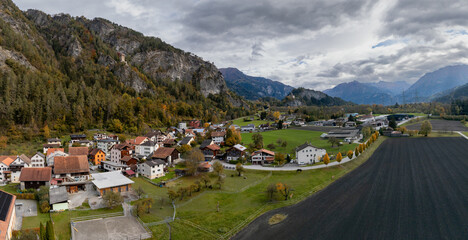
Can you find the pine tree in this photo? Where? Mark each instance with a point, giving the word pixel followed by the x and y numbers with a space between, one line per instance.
pixel 326 159
pixel 339 157
pixel 50 231
pixel 350 154
pixel 356 151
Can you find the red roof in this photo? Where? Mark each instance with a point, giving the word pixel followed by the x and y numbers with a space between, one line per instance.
pixel 7 160
pixel 129 172
pixel 218 134
pixel 71 164
pixel 139 140
pixel 75 151
pixel 264 151
pixel 163 152
pixel 36 174
pixel 213 147
pixel 52 150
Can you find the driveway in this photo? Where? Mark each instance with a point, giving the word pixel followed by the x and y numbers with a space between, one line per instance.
pixel 77 199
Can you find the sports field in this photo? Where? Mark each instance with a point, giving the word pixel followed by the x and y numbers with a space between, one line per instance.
pixel 411 188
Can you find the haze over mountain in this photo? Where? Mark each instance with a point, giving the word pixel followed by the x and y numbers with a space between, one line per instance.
pixel 308 97
pixel 254 88
pixel 361 93
pixel 457 93
pixel 393 88
pixel 435 82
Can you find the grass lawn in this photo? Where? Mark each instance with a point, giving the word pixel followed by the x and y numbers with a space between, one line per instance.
pixel 169 175
pixel 28 148
pixel 34 222
pixel 11 188
pixel 296 137
pixel 241 122
pixel 241 200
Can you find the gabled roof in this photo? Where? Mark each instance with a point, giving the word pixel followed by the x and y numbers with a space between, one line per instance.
pixel 153 163
pixel 126 158
pixel 40 155
pixel 264 151
pixel 205 143
pixel 121 146
pixel 110 179
pixel 43 174
pixel 170 141
pixel 185 140
pixel 52 150
pixel 163 152
pixel 25 158
pixel 148 144
pixel 71 164
pixel 218 134
pixel 75 151
pixel 58 195
pixel 139 140
pixel 306 145
pixel 240 147
pixel 153 133
pixel 7 160
pixel 213 147
pixel 95 151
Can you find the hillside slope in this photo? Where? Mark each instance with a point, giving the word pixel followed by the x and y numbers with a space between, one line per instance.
pixel 307 97
pixel 254 88
pixel 360 93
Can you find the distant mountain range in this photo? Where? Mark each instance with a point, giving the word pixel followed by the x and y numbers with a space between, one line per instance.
pixel 253 88
pixel 307 97
pixel 440 85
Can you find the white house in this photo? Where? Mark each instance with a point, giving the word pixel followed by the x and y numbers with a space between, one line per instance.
pixel 182 125
pixel 308 154
pixel 5 162
pixel 248 128
pixel 105 145
pixel 19 163
pixel 152 168
pixel 263 156
pixel 146 148
pixel 218 137
pixel 113 166
pixel 38 160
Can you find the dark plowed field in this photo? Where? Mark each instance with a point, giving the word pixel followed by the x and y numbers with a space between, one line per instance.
pixel 414 188
pixel 441 125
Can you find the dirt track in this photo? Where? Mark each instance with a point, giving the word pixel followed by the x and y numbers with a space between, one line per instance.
pixel 411 188
pixel 441 125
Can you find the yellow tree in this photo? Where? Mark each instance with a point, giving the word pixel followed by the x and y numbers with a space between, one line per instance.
pixel 284 189
pixel 46 131
pixel 356 151
pixel 339 157
pixel 326 159
pixel 350 154
pixel 276 115
pixel 360 149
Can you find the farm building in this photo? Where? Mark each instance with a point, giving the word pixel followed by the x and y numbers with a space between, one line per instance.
pixel 168 155
pixel 35 177
pixel 308 154
pixel 58 198
pixel 71 171
pixel 7 214
pixel 111 181
pixel 235 152
pixel 263 156
pixel 348 135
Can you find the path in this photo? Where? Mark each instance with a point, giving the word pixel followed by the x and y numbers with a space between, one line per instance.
pixel 463 135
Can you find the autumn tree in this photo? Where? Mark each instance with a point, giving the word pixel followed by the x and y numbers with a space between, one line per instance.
pixel 350 154
pixel 140 192
pixel 277 115
pixel 280 159
pixel 184 148
pixel 257 140
pixel 205 179
pixel 326 159
pixel 426 128
pixel 46 132
pixel 356 151
pixel 339 157
pixel 112 199
pixel 270 191
pixel 218 168
pixel 172 194
pixel 360 149
pixel 334 141
pixel 193 160
pixel 283 189
pixel 240 169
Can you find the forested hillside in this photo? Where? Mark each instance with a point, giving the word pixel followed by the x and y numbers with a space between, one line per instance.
pixel 67 73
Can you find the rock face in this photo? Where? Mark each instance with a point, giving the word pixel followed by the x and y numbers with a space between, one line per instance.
pixel 307 97
pixel 155 58
pixel 253 88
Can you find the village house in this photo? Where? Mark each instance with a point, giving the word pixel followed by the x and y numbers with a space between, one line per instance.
pixel 55 141
pixel 105 145
pixel 189 133
pixel 86 143
pixel 111 181
pixel 264 127
pixel 46 147
pixel 34 177
pixel 206 142
pixel 5 162
pixel 138 140
pixel 195 124
pixel 218 137
pixel 52 153
pixel 96 156
pixel 114 166
pixel 350 124
pixel 71 171
pixel 182 125
pixel 262 156
pixel 248 128
pixel 348 135
pixel 128 160
pixel 186 141
pixel 156 136
pixel 308 154
pixel 205 167
pixel 170 142
pixel 58 198
pixel 38 160
pixel 210 152
pixel 16 166
pixel 7 215
pixel 152 168
pixel 199 131
pixel 146 148
pixel 235 152
pixel 75 138
pixel 168 155
pixel 119 151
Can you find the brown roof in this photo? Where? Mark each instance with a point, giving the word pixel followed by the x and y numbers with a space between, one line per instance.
pixel 70 164
pixel 169 141
pixel 218 134
pixel 7 160
pixel 121 146
pixel 52 150
pixel 213 147
pixel 264 151
pixel 126 158
pixel 36 174
pixel 25 158
pixel 95 151
pixel 139 140
pixel 163 152
pixel 75 151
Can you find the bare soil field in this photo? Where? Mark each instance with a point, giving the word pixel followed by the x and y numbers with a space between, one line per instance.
pixel 441 125
pixel 411 188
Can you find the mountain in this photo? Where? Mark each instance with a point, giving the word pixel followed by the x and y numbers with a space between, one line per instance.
pixel 307 97
pixel 254 88
pixel 360 93
pixel 457 93
pixel 435 82
pixel 393 88
pixel 72 73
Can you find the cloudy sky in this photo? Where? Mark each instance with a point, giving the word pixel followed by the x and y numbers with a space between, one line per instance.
pixel 315 44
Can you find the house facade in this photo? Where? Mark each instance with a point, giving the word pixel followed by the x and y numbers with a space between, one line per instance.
pixel 308 154
pixel 16 166
pixel 50 159
pixel 168 155
pixel 152 168
pixel 263 156
pixel 210 152
pixel 146 148
pixel 38 160
pixel 71 171
pixel 235 152
pixel 105 145
pixel 218 137
pixel 118 151
pixel 113 181
pixel 96 156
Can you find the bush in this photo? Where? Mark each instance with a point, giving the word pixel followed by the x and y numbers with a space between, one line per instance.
pixel 45 207
pixel 233 161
